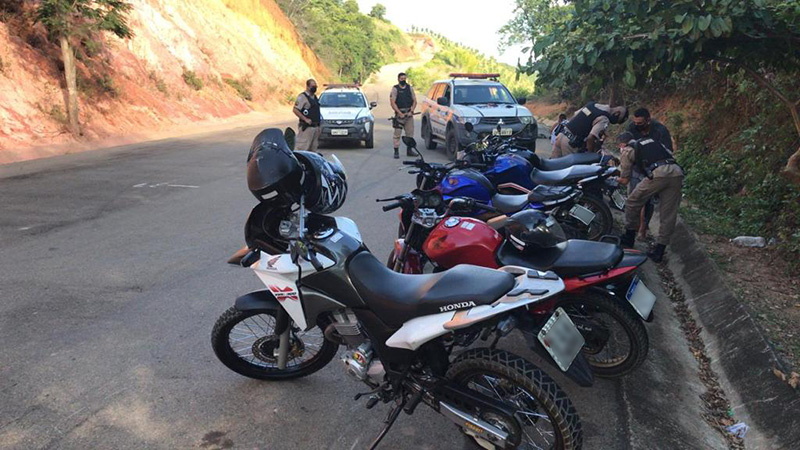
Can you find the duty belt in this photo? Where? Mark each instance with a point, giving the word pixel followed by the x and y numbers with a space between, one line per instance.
pixel 663 162
pixel 569 134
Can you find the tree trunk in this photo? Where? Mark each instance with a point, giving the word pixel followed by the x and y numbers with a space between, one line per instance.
pixel 72 85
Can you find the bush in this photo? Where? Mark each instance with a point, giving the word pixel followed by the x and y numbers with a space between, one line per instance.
pixel 192 80
pixel 159 82
pixel 107 85
pixel 242 87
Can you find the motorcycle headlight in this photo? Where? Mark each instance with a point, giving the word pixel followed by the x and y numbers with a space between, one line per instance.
pixel 472 120
pixel 362 120
pixel 526 120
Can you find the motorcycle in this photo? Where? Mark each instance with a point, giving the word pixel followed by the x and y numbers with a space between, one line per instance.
pixel 400 330
pixel 602 289
pixel 581 216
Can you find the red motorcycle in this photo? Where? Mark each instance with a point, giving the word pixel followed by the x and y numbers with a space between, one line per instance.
pixel 603 295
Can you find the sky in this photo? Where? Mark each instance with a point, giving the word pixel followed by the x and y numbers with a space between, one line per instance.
pixel 461 21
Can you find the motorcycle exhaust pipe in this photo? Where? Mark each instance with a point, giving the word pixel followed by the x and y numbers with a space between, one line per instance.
pixel 475 427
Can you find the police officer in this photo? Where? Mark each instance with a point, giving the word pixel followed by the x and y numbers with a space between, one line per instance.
pixel 663 177
pixel 403 101
pixel 306 108
pixel 586 129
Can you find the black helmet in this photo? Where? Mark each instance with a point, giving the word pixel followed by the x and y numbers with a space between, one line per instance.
pixel 531 230
pixel 273 171
pixel 619 114
pixel 324 184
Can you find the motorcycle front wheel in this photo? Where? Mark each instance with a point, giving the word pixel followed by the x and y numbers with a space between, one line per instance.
pixel 545 417
pixel 245 341
pixel 616 339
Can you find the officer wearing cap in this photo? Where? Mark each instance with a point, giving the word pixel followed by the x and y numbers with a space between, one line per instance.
pixel 664 177
pixel 586 129
pixel 306 108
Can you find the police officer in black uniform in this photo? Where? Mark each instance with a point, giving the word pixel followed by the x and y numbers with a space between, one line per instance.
pixel 586 129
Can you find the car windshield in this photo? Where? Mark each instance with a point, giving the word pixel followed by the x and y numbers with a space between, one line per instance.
pixel 474 95
pixel 342 100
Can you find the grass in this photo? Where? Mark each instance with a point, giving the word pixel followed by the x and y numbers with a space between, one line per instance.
pixel 57 114
pixel 192 80
pixel 159 83
pixel 242 87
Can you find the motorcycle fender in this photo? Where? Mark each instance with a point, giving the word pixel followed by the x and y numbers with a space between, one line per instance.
pixel 603 291
pixel 257 300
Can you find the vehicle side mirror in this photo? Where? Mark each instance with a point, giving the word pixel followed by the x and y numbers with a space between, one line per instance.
pixel 372 104
pixel 469 127
pixel 522 101
pixel 443 101
pixel 410 142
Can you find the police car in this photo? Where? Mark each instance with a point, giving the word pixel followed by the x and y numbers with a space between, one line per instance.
pixel 473 98
pixel 346 114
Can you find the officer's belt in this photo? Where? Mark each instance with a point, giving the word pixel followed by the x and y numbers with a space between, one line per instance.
pixel 663 162
pixel 569 134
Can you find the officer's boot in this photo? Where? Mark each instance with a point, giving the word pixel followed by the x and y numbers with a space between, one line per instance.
pixel 657 253
pixel 628 239
pixel 396 153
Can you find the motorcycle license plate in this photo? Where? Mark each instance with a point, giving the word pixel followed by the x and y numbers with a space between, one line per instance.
pixel 561 339
pixel 339 132
pixel 641 298
pixel 503 132
pixel 618 199
pixel 584 215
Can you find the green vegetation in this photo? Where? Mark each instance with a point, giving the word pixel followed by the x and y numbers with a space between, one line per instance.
pixel 242 87
pixel 73 22
pixel 159 82
pixel 351 44
pixel 453 57
pixel 192 80
pixel 378 11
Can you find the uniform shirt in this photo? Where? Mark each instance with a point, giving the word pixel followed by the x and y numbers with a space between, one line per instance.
pixel 657 131
pixel 628 163
pixel 302 102
pixel 393 94
pixel 599 124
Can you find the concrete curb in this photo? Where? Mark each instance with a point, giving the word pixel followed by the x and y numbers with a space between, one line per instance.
pixel 740 353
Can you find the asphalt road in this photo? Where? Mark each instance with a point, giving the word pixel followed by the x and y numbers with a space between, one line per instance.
pixel 113 272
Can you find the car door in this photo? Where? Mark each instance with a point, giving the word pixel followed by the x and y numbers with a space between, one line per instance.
pixel 440 113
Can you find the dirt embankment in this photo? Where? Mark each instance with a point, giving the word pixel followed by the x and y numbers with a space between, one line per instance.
pixel 141 86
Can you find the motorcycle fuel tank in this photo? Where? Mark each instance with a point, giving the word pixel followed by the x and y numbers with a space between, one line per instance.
pixel 466 183
pixel 459 240
pixel 511 169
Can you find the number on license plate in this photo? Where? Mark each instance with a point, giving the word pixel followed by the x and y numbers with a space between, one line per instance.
pixel 583 214
pixel 503 132
pixel 339 132
pixel 640 298
pixel 561 339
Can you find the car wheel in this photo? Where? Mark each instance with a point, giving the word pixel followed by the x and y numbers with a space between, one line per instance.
pixel 369 142
pixel 451 144
pixel 427 135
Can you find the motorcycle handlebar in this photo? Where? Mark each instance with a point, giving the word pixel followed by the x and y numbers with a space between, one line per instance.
pixel 410 163
pixel 392 206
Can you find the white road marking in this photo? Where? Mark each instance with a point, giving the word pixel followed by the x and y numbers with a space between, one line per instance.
pixel 141 185
pixel 24 228
pixel 183 186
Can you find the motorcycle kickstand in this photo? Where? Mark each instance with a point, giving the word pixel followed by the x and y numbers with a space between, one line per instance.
pixel 393 413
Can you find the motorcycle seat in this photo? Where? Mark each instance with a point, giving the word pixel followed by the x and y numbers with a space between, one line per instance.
pixel 397 298
pixel 567 259
pixel 508 204
pixel 570 175
pixel 542 193
pixel 569 161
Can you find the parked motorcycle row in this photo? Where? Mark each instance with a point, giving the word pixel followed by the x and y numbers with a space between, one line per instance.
pixel 497 241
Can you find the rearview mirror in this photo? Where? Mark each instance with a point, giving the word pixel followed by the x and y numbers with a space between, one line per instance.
pixel 443 101
pixel 469 127
pixel 372 104
pixel 410 142
pixel 289 136
pixel 522 101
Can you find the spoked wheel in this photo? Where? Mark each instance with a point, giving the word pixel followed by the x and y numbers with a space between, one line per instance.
pixel 616 339
pixel 246 342
pixel 601 224
pixel 545 417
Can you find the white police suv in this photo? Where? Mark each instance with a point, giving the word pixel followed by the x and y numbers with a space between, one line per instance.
pixel 346 114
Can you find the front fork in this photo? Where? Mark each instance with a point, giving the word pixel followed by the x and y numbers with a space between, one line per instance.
pixel 283 325
pixel 400 260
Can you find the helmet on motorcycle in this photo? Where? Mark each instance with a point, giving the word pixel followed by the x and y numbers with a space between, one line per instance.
pixel 531 230
pixel 273 172
pixel 324 184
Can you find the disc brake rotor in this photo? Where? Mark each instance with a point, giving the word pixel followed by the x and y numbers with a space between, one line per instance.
pixel 265 348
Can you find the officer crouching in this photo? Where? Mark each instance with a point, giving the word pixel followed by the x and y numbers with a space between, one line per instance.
pixel 664 178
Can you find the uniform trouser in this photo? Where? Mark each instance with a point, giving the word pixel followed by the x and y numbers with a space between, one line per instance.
pixel 669 192
pixel 562 147
pixel 407 126
pixel 307 139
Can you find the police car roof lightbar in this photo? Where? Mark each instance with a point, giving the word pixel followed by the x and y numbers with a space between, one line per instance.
pixel 476 76
pixel 341 85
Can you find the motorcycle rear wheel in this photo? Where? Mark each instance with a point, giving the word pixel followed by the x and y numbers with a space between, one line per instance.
pixel 245 341
pixel 602 224
pixel 612 314
pixel 536 397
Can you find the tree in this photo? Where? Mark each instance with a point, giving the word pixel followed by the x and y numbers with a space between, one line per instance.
pixel 378 11
pixel 73 21
pixel 600 43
